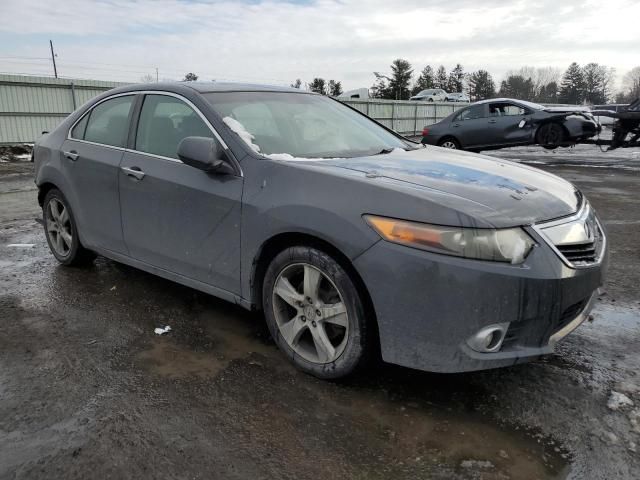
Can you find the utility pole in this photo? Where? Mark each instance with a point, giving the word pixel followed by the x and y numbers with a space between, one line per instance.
pixel 53 59
pixel 157 75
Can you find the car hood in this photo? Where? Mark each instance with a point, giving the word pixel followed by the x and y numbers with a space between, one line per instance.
pixel 497 192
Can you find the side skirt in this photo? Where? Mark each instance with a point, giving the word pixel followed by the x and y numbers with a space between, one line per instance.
pixel 175 277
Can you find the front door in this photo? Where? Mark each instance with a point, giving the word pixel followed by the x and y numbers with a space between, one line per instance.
pixel 91 161
pixel 174 216
pixel 470 126
pixel 507 124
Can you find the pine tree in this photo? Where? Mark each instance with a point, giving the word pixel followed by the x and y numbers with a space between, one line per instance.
pixel 425 80
pixel 517 86
pixel 190 77
pixel 441 79
pixel 481 85
pixel 597 80
pixel 572 88
pixel 297 83
pixel 334 88
pixel 318 85
pixel 455 83
pixel 401 72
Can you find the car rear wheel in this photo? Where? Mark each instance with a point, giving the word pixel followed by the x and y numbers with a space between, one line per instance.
pixel 449 142
pixel 315 313
pixel 61 231
pixel 550 135
pixel 430 100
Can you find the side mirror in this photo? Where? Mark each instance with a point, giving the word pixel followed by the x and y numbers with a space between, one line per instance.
pixel 205 154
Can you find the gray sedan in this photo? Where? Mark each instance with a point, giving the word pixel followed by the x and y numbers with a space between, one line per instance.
pixel 352 240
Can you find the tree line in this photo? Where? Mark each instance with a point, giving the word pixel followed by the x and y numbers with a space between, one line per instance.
pixel 588 84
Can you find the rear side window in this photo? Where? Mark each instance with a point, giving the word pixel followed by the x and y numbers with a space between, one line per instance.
pixel 108 122
pixel 164 122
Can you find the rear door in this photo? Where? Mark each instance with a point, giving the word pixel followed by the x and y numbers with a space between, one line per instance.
pixel 92 155
pixel 507 124
pixel 470 125
pixel 174 216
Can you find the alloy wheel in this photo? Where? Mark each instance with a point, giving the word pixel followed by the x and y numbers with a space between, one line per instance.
pixel 58 226
pixel 310 313
pixel 449 144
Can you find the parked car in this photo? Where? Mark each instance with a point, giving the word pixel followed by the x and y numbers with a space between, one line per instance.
pixel 431 95
pixel 504 122
pixel 350 238
pixel 457 97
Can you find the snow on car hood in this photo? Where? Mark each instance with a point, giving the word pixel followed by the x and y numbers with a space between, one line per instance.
pixel 503 192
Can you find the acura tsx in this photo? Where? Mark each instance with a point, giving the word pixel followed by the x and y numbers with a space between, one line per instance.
pixel 352 240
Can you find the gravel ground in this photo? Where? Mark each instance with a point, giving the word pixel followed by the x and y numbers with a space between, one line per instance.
pixel 88 390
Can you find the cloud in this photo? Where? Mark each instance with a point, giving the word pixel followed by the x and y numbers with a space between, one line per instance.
pixel 277 42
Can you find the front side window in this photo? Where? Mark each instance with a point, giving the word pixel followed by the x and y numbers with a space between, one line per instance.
pixel 108 122
pixel 164 122
pixel 302 125
pixel 501 109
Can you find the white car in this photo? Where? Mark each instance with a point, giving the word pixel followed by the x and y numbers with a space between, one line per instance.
pixel 431 95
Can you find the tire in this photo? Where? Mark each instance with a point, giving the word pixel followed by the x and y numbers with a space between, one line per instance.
pixel 550 135
pixel 61 231
pixel 449 142
pixel 304 314
pixel 430 100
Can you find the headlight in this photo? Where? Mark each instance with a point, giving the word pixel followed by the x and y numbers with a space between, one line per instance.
pixel 510 245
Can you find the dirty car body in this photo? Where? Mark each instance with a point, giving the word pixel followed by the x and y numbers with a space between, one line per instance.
pixel 504 122
pixel 539 251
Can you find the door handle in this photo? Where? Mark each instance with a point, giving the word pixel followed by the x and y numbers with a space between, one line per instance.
pixel 492 121
pixel 133 172
pixel 71 155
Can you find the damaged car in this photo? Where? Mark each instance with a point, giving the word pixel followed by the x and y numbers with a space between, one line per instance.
pixel 353 241
pixel 503 122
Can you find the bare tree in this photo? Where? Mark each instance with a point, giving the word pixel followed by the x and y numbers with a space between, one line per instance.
pixel 148 78
pixel 631 83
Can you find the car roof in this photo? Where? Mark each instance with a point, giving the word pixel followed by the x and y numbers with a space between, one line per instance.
pixel 209 87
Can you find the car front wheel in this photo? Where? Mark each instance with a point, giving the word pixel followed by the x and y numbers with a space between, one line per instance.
pixel 315 313
pixel 61 230
pixel 550 135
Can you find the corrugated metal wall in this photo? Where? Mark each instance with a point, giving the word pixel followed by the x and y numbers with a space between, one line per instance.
pixel 403 116
pixel 29 105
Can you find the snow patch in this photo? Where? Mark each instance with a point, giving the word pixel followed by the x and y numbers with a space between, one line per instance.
pixel 162 331
pixel 476 464
pixel 618 401
pixel 21 245
pixel 242 132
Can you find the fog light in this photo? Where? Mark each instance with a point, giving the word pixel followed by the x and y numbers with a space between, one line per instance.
pixel 488 339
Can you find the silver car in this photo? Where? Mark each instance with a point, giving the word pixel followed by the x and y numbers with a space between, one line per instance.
pixel 349 238
pixel 431 95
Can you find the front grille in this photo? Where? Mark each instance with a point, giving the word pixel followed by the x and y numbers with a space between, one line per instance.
pixel 579 240
pixel 583 254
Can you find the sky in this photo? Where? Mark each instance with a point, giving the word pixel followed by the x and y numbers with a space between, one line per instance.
pixel 278 41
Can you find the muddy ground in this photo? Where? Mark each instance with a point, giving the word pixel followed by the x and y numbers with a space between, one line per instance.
pixel 87 390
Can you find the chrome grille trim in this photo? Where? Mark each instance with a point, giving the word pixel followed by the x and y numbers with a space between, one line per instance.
pixel 579 240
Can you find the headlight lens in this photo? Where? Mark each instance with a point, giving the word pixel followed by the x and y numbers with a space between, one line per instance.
pixel 510 245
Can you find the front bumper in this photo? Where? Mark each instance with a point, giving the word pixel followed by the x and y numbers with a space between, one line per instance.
pixel 428 305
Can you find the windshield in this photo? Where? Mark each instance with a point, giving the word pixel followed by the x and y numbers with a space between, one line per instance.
pixel 301 125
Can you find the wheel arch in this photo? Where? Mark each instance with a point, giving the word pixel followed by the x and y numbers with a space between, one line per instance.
pixel 43 189
pixel 449 136
pixel 277 243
